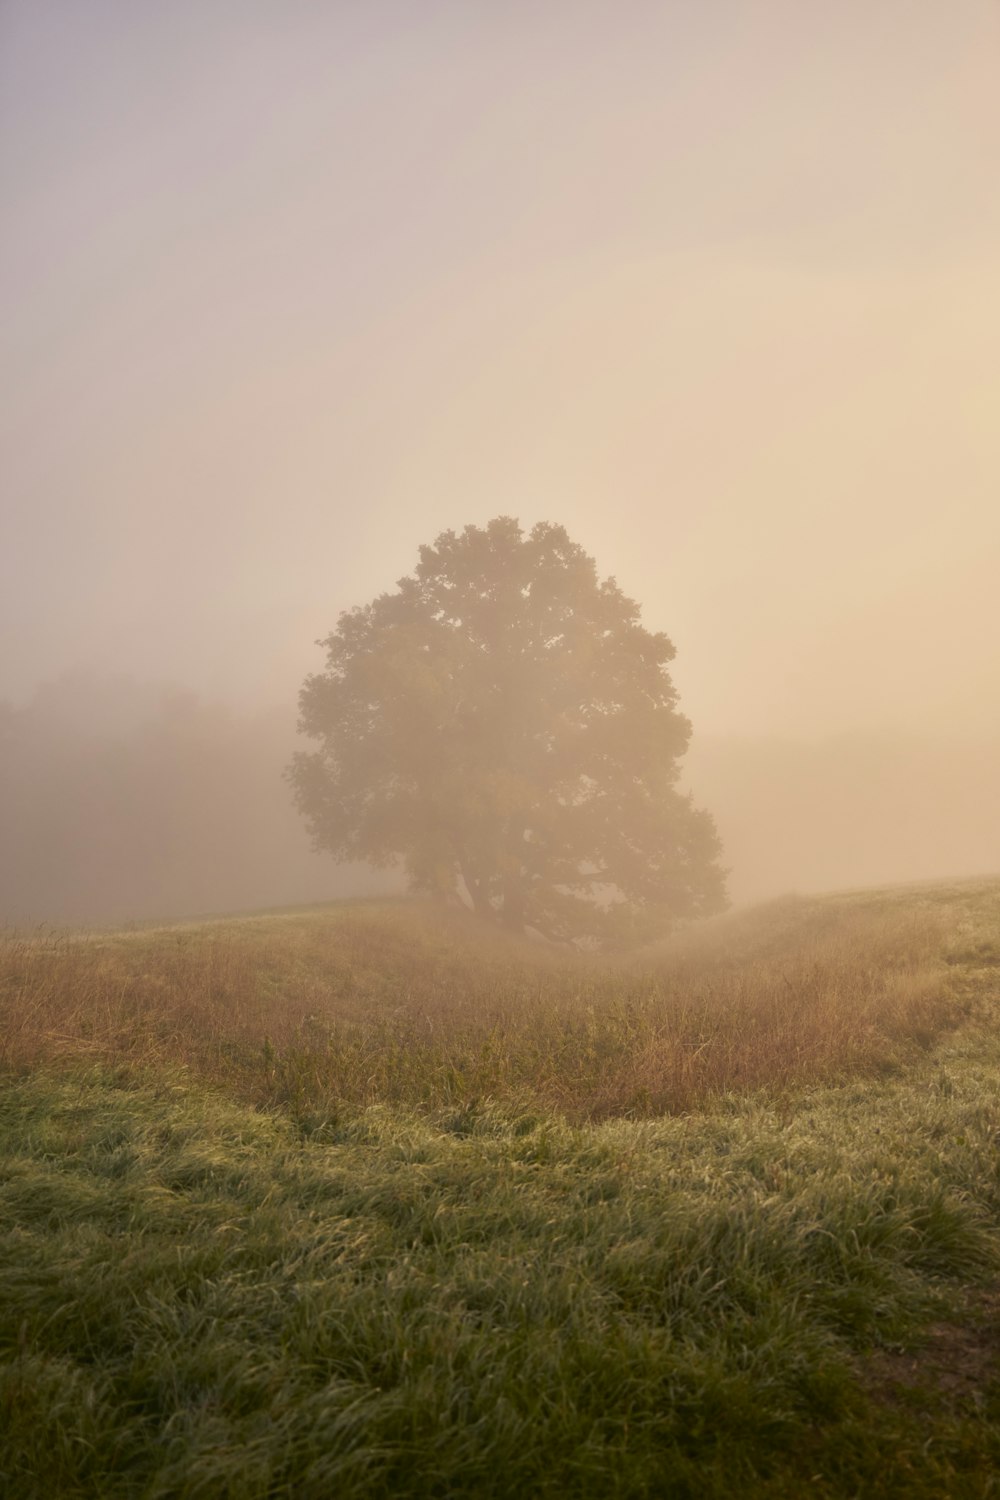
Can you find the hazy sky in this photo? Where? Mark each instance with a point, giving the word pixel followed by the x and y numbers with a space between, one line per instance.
pixel 288 289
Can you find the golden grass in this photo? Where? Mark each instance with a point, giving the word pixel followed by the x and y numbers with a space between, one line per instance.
pixel 397 1003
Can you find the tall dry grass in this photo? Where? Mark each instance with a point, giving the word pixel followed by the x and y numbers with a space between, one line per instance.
pixel 399 1004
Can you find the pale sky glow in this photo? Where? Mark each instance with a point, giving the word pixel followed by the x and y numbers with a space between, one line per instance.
pixel 289 289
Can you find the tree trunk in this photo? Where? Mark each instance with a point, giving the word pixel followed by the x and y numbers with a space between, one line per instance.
pixel 513 904
pixel 480 902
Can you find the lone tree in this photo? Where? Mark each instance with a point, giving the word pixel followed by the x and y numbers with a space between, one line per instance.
pixel 505 726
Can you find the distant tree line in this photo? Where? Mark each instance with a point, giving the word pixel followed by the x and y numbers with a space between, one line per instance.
pixel 122 800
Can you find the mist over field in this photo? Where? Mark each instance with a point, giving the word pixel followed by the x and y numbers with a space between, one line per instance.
pixel 288 293
pixel 121 800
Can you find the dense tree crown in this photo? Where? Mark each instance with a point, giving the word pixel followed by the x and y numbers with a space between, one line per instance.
pixel 504 725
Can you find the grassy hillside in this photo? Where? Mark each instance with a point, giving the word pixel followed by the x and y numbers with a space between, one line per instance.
pixel 350 1202
pixel 403 1004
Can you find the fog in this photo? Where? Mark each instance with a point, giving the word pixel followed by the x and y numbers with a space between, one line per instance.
pixel 289 290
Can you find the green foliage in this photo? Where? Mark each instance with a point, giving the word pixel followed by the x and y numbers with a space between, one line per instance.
pixel 505 726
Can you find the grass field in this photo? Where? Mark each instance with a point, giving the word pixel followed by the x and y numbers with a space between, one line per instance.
pixel 352 1202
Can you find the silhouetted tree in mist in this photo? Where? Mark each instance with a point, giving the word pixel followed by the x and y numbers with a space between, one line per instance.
pixel 504 725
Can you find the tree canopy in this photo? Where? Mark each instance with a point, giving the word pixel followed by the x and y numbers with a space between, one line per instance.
pixel 504 726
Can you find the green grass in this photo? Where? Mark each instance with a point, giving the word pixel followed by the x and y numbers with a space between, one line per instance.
pixel 787 1287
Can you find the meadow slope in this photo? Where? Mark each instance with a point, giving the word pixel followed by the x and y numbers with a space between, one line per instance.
pixel 353 1201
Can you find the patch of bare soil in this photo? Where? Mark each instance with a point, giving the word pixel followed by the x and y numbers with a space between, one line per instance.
pixel 953 1364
